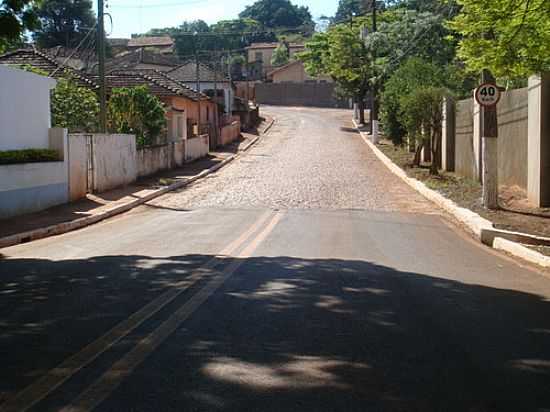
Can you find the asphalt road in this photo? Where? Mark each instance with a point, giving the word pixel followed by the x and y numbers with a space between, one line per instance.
pixel 303 277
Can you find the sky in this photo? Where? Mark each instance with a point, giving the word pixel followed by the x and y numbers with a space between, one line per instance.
pixel 138 16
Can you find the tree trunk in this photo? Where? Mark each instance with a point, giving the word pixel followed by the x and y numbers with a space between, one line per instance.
pixel 361 105
pixel 418 153
pixel 434 166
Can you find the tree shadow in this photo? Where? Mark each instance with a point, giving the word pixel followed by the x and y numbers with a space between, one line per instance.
pixel 287 334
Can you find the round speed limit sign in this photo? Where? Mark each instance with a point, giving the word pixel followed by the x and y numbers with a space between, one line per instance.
pixel 487 94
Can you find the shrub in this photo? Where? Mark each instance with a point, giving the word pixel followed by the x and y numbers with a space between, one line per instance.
pixel 28 156
pixel 73 107
pixel 136 111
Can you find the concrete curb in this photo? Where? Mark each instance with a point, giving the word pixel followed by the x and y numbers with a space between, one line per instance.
pixel 65 227
pixel 482 228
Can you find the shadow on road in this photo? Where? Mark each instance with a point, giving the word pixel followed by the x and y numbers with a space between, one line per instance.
pixel 286 334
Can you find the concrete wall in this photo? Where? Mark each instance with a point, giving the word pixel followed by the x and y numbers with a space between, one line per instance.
pixel 464 149
pixel 114 161
pixel 151 160
pixel 24 109
pixel 196 148
pixel 296 73
pixel 31 187
pixel 512 138
pixel 230 132
pixel 298 94
pixel 78 166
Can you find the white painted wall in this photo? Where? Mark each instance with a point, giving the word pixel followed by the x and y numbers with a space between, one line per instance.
pixel 24 109
pixel 196 148
pixel 115 161
pixel 228 92
pixel 31 187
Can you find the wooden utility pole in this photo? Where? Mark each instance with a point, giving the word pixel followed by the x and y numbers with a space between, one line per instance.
pixel 216 118
pixel 374 90
pixel 101 67
pixel 489 134
pixel 198 86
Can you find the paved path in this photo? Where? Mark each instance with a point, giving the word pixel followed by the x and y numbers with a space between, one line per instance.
pixel 311 289
pixel 313 159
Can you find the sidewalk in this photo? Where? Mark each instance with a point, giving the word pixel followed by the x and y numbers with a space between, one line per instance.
pixel 97 207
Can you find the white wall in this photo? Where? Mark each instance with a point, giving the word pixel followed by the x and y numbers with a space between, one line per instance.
pixel 196 148
pixel 31 187
pixel 227 92
pixel 24 109
pixel 115 161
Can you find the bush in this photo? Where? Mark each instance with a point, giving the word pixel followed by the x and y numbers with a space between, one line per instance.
pixel 73 107
pixel 8 157
pixel 136 111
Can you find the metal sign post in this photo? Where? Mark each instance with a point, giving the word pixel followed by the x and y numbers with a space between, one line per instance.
pixel 488 96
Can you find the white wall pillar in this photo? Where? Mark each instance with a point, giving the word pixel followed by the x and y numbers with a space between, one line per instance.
pixel 448 136
pixel 477 144
pixel 538 147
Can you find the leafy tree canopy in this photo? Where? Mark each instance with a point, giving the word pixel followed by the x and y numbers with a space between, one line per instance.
pixel 341 54
pixel 509 37
pixel 63 22
pixel 278 13
pixel 15 18
pixel 280 55
pixel 73 107
pixel 136 111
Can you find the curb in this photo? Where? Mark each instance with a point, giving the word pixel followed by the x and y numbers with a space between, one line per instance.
pixel 65 227
pixel 482 228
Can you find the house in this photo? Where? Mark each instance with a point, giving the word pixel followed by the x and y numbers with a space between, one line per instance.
pixel 294 72
pixel 117 45
pixel 46 63
pixel 185 106
pixel 263 52
pixel 208 78
pixel 139 59
pixel 84 60
pixel 162 44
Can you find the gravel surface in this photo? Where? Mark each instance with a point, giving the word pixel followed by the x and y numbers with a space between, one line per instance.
pixel 311 159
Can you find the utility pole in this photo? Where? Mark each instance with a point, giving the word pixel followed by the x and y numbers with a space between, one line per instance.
pixel 101 67
pixel 374 92
pixel 216 122
pixel 198 79
pixel 489 134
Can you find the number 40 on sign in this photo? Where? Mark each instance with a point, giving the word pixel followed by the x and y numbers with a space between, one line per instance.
pixel 487 94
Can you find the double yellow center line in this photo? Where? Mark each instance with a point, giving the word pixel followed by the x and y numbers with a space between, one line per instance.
pixel 110 380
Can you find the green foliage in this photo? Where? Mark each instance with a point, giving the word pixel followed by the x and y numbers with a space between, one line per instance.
pixel 280 55
pixel 422 112
pixel 63 22
pixel 8 157
pixel 278 13
pixel 510 38
pixel 341 54
pixel 413 75
pixel 347 8
pixel 15 18
pixel 73 107
pixel 136 111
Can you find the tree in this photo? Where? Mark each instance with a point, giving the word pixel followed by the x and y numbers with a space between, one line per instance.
pixel 73 107
pixel 63 22
pixel 510 38
pixel 341 54
pixel 280 55
pixel 423 114
pixel 136 111
pixel 15 18
pixel 278 13
pixel 348 8
pixel 413 75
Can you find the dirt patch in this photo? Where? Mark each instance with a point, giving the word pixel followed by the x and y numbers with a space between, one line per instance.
pixel 516 214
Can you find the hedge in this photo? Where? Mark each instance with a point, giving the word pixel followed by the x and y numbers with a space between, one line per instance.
pixel 8 157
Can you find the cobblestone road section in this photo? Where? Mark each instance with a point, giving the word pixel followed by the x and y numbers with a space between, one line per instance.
pixel 311 159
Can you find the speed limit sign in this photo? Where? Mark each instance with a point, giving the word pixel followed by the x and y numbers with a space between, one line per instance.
pixel 487 94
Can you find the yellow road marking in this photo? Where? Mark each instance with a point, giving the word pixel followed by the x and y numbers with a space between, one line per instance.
pixel 110 380
pixel 54 378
